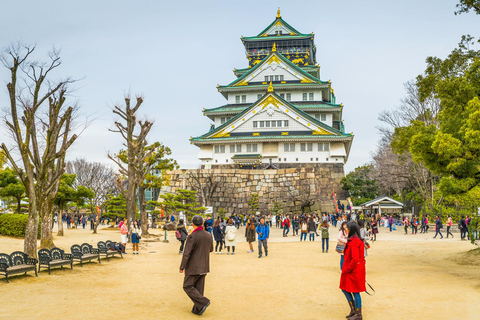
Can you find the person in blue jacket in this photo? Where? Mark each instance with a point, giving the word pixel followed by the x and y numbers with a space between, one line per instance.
pixel 263 231
pixel 208 224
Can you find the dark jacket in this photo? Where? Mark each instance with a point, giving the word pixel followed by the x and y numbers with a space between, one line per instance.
pixel 218 233
pixel 249 233
pixel 183 232
pixel 438 224
pixel 196 255
pixel 311 226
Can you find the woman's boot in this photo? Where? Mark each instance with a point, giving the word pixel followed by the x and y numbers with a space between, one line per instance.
pixel 352 309
pixel 358 314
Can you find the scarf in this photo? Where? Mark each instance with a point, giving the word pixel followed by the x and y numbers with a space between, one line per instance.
pixel 197 229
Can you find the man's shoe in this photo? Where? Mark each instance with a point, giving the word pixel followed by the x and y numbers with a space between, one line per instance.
pixel 203 309
pixel 259 256
pixel 266 254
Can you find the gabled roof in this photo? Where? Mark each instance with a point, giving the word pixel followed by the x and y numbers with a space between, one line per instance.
pixel 280 21
pixel 274 56
pixel 270 98
pixel 383 201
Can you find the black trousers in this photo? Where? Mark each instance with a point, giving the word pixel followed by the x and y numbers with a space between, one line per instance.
pixel 194 286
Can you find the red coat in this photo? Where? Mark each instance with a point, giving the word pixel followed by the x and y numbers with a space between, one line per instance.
pixel 353 271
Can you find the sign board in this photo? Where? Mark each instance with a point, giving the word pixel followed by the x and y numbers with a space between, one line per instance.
pixel 209 210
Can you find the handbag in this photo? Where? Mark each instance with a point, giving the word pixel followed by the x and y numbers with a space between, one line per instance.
pixel 340 247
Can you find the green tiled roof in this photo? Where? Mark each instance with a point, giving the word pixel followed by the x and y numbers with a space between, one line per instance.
pixel 239 108
pixel 316 137
pixel 306 115
pixel 282 37
pixel 284 59
pixel 275 21
pixel 246 156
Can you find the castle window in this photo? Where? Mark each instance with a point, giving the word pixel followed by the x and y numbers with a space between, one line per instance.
pixel 305 146
pixel 244 98
pixel 281 77
pixel 262 124
pixel 304 96
pixel 267 124
pixel 285 123
pixel 282 95
pixel 222 120
pixel 237 99
pixel 251 147
pixel 266 78
pixel 255 124
pixel 279 159
pixel 323 116
pixel 279 123
pixel 310 96
pixel 289 96
pixel 327 159
pixel 316 159
pixel 289 147
pixel 276 78
pixel 284 159
pixel 274 124
pixel 239 148
pixel 324 146
pixel 232 148
pixel 219 149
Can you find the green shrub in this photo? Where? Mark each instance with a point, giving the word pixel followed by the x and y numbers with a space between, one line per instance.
pixel 15 225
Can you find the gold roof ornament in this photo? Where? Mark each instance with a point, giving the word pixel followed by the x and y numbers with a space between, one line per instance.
pixel 278 13
pixel 274 48
pixel 270 87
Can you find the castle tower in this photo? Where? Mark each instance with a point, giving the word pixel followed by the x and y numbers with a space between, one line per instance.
pixel 278 113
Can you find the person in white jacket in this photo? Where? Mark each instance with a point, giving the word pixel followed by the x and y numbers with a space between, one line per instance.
pixel 230 237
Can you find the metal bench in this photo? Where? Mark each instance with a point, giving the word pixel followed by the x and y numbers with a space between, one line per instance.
pixel 104 248
pixel 85 252
pixel 17 262
pixel 54 258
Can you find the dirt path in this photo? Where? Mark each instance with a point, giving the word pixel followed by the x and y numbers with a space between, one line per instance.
pixel 415 277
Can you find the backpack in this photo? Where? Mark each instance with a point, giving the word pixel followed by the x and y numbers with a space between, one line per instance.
pixel 231 235
pixel 304 227
pixel 178 234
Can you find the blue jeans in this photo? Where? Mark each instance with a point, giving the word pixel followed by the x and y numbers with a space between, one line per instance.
pixel 311 237
pixel 438 232
pixel 353 296
pixel 303 236
pixel 286 230
pixel 324 240
pixel 341 262
pixel 463 233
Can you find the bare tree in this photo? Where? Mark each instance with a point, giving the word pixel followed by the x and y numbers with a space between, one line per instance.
pixel 134 133
pixel 205 185
pixel 99 178
pixel 41 127
pixel 303 193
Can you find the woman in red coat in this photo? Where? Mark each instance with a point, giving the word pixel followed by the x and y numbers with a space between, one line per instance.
pixel 352 280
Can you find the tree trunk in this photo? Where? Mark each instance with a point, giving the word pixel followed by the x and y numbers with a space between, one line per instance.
pixel 19 205
pixel 97 222
pixel 131 199
pixel 46 210
pixel 143 210
pixel 31 232
pixel 60 222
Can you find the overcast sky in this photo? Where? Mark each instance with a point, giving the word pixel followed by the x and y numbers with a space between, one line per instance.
pixel 175 53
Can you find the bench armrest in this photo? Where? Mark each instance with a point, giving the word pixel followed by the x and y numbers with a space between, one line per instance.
pixel 3 266
pixel 102 250
pixel 77 255
pixel 31 261
pixel 67 256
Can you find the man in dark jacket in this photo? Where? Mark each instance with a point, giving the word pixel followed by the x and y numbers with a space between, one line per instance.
pixel 438 226
pixel 462 225
pixel 196 264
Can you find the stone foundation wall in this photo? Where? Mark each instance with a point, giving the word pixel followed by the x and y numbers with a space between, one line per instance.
pixel 316 181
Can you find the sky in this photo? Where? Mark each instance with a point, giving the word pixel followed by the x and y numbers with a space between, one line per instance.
pixel 175 53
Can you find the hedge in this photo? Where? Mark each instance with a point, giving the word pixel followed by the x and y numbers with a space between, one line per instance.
pixel 15 225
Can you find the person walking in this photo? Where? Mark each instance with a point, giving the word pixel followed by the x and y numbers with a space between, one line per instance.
pixel 196 264
pixel 352 280
pixel 124 233
pixel 406 223
pixel 342 240
pixel 390 222
pixel 312 229
pixel 250 234
pixel 374 225
pixel 181 235
pixel 230 239
pixel 218 236
pixel 295 225
pixel 303 229
pixel 438 226
pixel 286 226
pixel 325 235
pixel 449 224
pixel 363 234
pixel 136 233
pixel 462 225
pixel 263 231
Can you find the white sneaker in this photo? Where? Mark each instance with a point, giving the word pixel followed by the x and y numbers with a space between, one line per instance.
pixel 216 252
